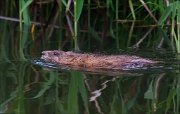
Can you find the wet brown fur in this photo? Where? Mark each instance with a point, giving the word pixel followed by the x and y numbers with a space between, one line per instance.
pixel 94 61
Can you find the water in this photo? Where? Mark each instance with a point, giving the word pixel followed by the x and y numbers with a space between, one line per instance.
pixel 37 87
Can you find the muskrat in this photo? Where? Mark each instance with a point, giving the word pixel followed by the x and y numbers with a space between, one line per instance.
pixel 95 61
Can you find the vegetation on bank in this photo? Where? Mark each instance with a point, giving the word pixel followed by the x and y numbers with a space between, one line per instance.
pixel 93 24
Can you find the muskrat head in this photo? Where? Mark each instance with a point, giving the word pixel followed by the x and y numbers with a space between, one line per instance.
pixel 52 56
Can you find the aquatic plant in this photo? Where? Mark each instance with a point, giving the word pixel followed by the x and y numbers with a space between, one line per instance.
pixel 171 15
pixel 115 27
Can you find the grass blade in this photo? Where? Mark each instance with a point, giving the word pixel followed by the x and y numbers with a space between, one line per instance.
pixel 149 93
pixel 46 85
pixel 64 2
pixel 165 15
pixel 79 7
pixel 25 6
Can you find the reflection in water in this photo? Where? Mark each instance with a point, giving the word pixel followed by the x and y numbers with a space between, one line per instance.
pixel 53 66
pixel 98 92
pixel 158 68
pixel 20 83
pixel 129 97
pixel 14 74
pixel 25 86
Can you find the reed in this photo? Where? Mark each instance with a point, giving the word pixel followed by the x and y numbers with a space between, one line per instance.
pixel 172 15
pixel 106 22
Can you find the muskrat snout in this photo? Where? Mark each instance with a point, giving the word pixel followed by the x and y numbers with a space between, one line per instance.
pixel 43 53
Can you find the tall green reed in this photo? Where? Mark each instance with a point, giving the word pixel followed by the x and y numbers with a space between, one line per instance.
pixel 171 14
pixel 4 44
pixel 24 25
pixel 23 12
pixel 116 32
pixel 78 6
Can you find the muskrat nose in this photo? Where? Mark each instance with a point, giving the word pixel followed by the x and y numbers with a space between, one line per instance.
pixel 43 53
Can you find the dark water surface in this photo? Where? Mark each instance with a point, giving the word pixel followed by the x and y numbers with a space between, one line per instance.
pixel 33 87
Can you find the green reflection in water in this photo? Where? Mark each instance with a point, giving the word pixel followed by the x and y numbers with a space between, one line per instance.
pixel 77 90
pixel 14 84
pixel 26 88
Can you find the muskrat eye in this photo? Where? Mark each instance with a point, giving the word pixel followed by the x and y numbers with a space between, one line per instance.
pixel 55 53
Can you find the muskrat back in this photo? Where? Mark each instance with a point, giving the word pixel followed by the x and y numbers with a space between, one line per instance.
pixel 95 61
